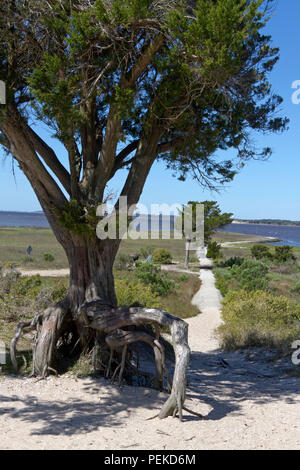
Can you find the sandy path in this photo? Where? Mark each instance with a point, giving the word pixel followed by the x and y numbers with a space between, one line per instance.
pixel 247 405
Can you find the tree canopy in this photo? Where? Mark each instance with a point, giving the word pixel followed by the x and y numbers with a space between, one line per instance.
pixel 124 83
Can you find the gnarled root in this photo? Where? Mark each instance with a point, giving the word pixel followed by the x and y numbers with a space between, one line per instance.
pixel 29 325
pixel 48 326
pixel 114 319
pixel 120 338
pixel 47 336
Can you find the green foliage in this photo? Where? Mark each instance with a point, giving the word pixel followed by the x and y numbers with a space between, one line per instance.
pixel 213 250
pixel 261 252
pixel 258 318
pixel 50 295
pixel 77 65
pixel 161 256
pixel 151 275
pixel 295 288
pixel 251 275
pixel 135 293
pixel 28 259
pixel 123 262
pixel 20 296
pixel 213 218
pixel 234 260
pixel 224 280
pixel 283 254
pixel 27 286
pixel 144 252
pixel 48 257
pixel 78 219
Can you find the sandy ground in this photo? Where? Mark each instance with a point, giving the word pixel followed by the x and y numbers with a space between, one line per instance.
pixel 247 404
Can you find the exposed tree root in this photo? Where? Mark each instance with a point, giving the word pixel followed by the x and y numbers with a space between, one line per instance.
pixel 29 325
pixel 111 320
pixel 110 324
pixel 48 326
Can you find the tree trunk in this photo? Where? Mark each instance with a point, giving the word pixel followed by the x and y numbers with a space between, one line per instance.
pixel 90 313
pixel 91 280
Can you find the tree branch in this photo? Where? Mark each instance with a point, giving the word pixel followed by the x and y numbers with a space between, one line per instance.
pixel 50 158
pixel 24 152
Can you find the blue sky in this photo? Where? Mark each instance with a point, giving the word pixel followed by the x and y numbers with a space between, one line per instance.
pixel 261 190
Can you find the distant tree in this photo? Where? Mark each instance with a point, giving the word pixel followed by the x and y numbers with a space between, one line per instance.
pixel 213 250
pixel 121 84
pixel 213 219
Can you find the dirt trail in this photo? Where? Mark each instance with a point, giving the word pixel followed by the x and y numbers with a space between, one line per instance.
pixel 247 404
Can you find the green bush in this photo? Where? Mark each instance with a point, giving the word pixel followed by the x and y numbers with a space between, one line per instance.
pixel 123 262
pixel 235 260
pixel 258 318
pixel 295 289
pixel 135 293
pixel 144 252
pixel 161 256
pixel 50 295
pixel 213 250
pixel 27 286
pixel 251 275
pixel 151 275
pixel 283 254
pixel 260 252
pixel 48 257
pixel 28 259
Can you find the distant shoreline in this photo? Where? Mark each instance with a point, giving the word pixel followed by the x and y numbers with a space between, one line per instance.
pixel 245 222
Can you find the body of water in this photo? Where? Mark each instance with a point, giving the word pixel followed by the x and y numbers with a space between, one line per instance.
pixel 23 219
pixel 288 234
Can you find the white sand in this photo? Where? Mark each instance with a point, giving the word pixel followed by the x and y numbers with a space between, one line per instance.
pixel 246 405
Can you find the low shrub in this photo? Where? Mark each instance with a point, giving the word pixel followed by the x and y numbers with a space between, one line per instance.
pixel 28 259
pixel 258 318
pixel 123 262
pixel 260 252
pixel 48 257
pixel 27 286
pixel 135 293
pixel 235 260
pixel 161 256
pixel 283 254
pixel 146 251
pixel 251 275
pixel 295 289
pixel 151 275
pixel 50 295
